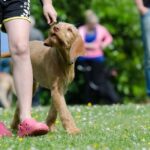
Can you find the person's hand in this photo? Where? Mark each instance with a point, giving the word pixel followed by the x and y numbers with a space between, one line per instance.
pixel 140 5
pixel 144 11
pixel 114 73
pixel 50 13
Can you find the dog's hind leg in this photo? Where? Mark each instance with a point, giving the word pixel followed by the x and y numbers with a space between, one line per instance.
pixel 16 120
pixel 51 118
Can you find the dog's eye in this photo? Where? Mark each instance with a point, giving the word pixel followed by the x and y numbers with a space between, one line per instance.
pixel 69 29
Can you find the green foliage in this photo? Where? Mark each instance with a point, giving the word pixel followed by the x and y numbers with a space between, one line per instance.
pixel 123 21
pixel 72 11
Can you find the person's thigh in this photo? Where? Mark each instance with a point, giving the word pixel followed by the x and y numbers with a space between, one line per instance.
pixel 18 33
pixel 145 21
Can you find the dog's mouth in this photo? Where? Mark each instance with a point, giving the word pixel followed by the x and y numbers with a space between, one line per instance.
pixel 56 37
pixel 53 35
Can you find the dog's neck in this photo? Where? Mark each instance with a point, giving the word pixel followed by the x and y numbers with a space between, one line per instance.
pixel 65 65
pixel 64 57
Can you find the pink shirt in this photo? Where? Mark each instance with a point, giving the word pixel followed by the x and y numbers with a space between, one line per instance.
pixel 103 39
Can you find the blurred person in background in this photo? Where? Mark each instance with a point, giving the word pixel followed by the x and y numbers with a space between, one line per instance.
pixel 6 92
pixel 96 38
pixel 144 9
pixel 4 47
pixel 35 33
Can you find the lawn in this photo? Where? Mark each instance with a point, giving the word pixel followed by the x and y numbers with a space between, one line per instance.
pixel 125 127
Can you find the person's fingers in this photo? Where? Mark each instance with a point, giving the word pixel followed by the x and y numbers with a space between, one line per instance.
pixel 47 18
pixel 53 18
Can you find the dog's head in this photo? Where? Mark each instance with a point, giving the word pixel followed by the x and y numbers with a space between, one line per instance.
pixel 66 36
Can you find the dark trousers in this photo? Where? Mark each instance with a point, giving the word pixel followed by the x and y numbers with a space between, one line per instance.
pixel 97 82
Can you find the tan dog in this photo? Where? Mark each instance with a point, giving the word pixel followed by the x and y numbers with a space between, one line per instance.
pixel 6 89
pixel 53 68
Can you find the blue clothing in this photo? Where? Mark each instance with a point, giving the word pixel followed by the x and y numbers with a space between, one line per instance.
pixel 145 25
pixel 97 59
pixel 90 37
pixel 4 42
pixel 4 46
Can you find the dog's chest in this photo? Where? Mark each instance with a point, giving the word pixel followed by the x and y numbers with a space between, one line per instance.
pixel 40 75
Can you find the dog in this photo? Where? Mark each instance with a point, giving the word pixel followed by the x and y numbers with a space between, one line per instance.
pixel 53 67
pixel 6 89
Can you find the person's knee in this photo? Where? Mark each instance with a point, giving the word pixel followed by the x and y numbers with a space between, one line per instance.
pixel 19 50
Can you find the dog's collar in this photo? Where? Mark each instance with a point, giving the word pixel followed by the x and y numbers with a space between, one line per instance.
pixel 70 63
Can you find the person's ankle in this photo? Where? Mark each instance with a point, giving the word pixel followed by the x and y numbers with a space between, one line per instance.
pixel 24 117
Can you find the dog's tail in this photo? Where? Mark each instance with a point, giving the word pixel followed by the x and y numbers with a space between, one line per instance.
pixel 5 55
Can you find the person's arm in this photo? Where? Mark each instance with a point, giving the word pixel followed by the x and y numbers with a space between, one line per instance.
pixel 140 5
pixel 107 39
pixel 49 11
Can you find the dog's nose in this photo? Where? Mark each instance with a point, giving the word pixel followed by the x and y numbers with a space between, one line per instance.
pixel 56 29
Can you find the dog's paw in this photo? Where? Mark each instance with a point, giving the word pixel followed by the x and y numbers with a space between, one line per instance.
pixel 52 128
pixel 73 131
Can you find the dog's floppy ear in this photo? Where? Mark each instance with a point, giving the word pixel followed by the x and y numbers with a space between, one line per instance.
pixel 77 48
pixel 47 42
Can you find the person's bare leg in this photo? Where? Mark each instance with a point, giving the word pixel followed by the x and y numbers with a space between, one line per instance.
pixel 18 34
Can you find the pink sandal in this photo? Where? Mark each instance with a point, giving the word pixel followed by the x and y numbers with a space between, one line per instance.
pixel 30 127
pixel 4 131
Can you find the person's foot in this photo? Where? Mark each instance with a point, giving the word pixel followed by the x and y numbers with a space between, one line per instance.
pixel 30 127
pixel 4 131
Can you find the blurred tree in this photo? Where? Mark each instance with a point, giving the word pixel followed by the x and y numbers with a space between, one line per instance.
pixel 122 20
pixel 72 11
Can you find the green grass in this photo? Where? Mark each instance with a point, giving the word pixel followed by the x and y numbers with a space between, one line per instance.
pixel 125 127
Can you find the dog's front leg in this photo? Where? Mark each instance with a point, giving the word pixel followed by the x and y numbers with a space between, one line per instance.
pixel 51 118
pixel 65 116
pixel 4 100
pixel 16 120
